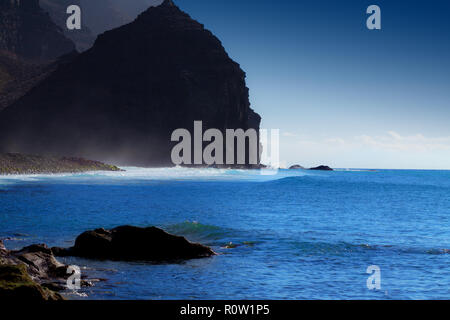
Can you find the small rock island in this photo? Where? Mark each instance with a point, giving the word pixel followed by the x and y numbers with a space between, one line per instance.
pixel 322 168
pixel 296 167
pixel 319 168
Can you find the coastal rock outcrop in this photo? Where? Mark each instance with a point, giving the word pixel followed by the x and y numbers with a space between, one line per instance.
pixel 296 166
pixel 322 168
pixel 31 273
pixel 14 163
pixel 130 243
pixel 122 99
pixel 17 285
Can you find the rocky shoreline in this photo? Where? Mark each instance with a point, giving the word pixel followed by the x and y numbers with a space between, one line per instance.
pixel 15 163
pixel 34 274
pixel 31 273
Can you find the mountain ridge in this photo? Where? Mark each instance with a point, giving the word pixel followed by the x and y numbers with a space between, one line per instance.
pixel 120 101
pixel 27 31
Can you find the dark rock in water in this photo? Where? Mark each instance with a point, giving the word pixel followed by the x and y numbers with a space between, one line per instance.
pixel 28 31
pixel 122 99
pixel 322 168
pixel 296 166
pixel 133 243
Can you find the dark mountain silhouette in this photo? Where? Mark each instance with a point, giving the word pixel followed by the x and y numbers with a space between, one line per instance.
pixel 18 76
pixel 29 43
pixel 28 31
pixel 103 15
pixel 121 100
pixel 57 9
pixel 97 16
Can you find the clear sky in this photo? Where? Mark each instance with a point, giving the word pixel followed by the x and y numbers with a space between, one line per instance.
pixel 340 94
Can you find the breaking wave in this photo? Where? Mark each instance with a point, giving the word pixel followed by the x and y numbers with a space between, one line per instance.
pixel 136 174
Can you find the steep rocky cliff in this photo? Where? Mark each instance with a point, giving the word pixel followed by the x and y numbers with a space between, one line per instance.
pixel 28 31
pixel 121 100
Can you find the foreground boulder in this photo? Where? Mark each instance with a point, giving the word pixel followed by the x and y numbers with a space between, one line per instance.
pixel 322 168
pixel 32 273
pixel 16 284
pixel 133 243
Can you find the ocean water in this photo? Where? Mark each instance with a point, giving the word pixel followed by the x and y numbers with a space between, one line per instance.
pixel 299 234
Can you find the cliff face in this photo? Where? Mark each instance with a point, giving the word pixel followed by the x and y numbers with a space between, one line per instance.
pixel 121 100
pixel 18 76
pixel 26 30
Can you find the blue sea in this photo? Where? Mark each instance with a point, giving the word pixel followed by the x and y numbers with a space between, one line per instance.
pixel 295 235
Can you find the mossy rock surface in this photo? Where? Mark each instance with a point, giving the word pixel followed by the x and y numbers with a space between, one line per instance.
pixel 16 284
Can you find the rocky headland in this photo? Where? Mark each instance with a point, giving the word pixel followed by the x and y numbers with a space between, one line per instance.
pixel 123 98
pixel 14 163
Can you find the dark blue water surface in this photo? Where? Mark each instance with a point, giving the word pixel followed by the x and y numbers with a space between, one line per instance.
pixel 300 234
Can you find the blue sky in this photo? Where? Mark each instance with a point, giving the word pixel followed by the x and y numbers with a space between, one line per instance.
pixel 341 94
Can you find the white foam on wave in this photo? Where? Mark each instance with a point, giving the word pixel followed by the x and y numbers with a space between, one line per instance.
pixel 136 174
